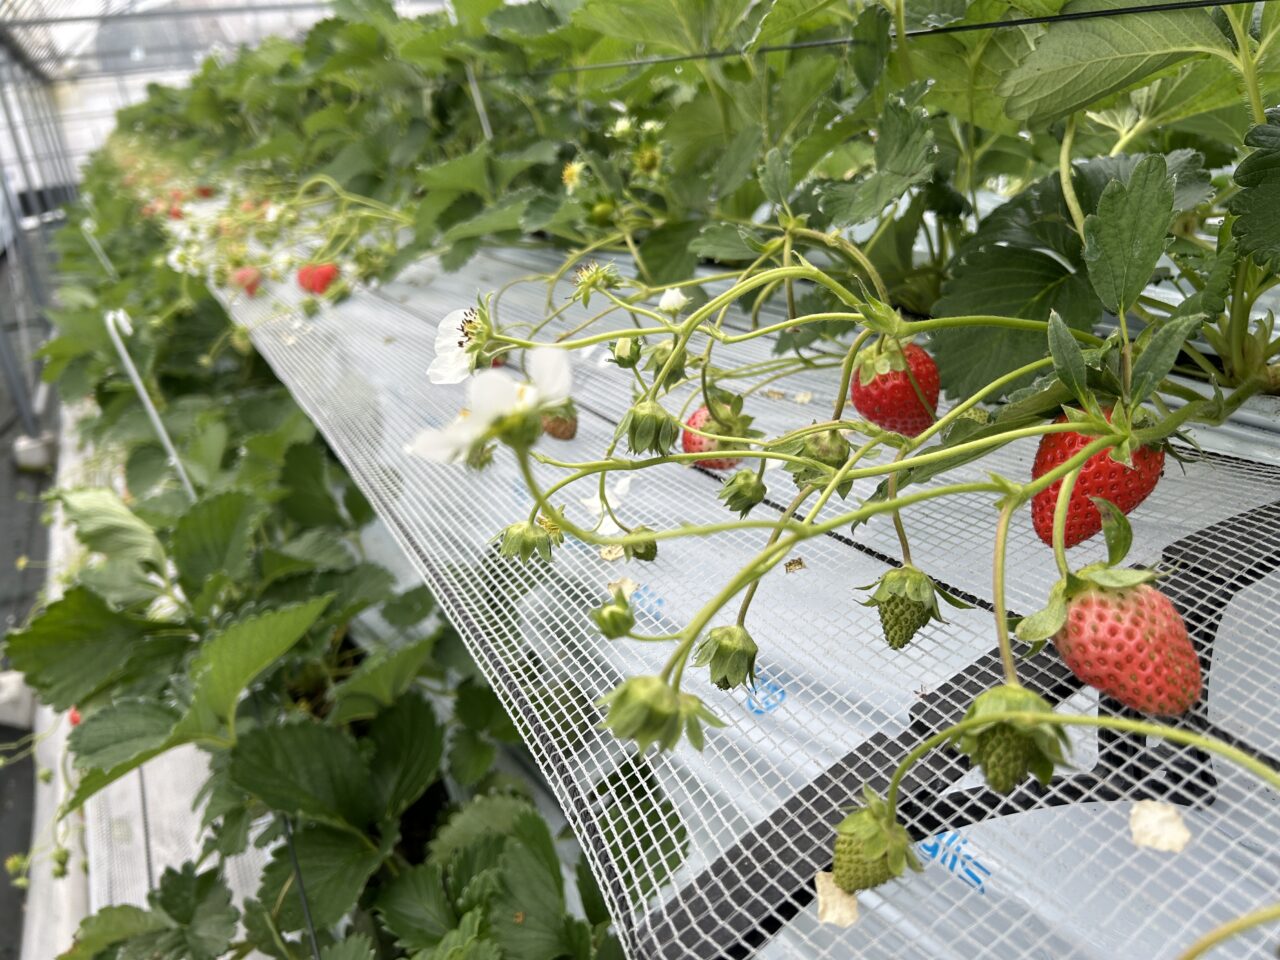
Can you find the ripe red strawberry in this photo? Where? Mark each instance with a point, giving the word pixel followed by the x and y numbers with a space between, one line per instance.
pixel 204 191
pixel 73 715
pixel 1100 477
pixel 247 279
pixel 1131 644
pixel 693 443
pixel 317 277
pixel 175 212
pixel 887 397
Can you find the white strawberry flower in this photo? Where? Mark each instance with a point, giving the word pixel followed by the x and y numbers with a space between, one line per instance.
pixel 455 339
pixel 494 395
pixel 622 127
pixel 185 258
pixel 673 301
pixel 272 213
pixel 1158 826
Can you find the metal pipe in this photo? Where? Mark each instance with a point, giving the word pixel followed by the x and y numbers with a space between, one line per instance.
pixel 6 80
pixel 41 154
pixel 65 175
pixel 173 13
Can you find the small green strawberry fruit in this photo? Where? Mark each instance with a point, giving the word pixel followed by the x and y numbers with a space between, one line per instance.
pixel 645 549
pixel 1007 751
pixel 731 654
pixel 907 599
pixel 871 847
pixel 743 491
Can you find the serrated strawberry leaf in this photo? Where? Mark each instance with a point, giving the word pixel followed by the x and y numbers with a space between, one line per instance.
pixel 1126 237
pixel 1068 359
pixel 1160 354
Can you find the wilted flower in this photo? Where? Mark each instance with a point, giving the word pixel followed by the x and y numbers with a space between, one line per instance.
pixel 731 654
pixel 1158 826
pixel 614 619
pixel 595 276
pixel 646 548
pixel 743 491
pixel 524 539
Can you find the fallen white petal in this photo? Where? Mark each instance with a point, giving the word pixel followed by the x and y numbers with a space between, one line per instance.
pixel 1158 826
pixel 550 372
pixel 834 905
pixel 626 585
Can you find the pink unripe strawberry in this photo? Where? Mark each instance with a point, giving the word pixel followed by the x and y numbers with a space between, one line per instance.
pixel 1131 643
pixel 247 279
pixel 693 443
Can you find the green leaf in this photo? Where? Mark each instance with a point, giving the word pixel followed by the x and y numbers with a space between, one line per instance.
pixel 199 904
pixel 335 866
pixel 1068 358
pixel 1079 62
pixel 904 157
pixel 666 252
pixel 1010 282
pixel 215 536
pixel 485 816
pixel 1160 354
pixel 410 607
pixel 230 660
pixel 681 26
pixel 775 180
pixel 871 45
pixel 527 917
pixel 408 744
pixel 105 525
pixel 470 756
pixel 304 768
pixel 309 497
pixel 1045 623
pixel 110 926
pixel 121 731
pixel 1125 238
pixel 358 947
pixel 1117 578
pixel 74 648
pixel 724 241
pixel 379 680
pixel 1257 228
pixel 416 908
pixel 1116 529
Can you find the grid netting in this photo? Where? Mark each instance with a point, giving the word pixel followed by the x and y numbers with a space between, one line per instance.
pixel 713 854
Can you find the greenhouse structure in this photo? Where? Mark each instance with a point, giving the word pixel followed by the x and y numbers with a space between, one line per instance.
pixel 639 479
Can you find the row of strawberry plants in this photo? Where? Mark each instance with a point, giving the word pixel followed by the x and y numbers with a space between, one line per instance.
pixel 1123 197
pixel 248 622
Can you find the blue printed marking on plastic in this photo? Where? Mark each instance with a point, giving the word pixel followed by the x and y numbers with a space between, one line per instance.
pixel 947 850
pixel 767 695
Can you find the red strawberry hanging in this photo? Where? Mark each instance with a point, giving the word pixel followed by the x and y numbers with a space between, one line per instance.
pixel 204 191
pixel 1100 477
pixel 247 279
pixel 73 716
pixel 175 212
pixel 317 277
pixel 1131 644
pixel 883 392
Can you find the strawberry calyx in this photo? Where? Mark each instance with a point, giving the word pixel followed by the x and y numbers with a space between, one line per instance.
pixel 886 357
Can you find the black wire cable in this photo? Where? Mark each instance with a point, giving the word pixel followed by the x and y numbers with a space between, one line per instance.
pixel 1075 16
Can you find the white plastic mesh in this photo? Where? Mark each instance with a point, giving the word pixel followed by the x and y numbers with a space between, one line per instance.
pixel 713 854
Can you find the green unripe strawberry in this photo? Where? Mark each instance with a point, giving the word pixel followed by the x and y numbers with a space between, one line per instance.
pixel 871 847
pixel 1008 750
pixel 906 600
pixel 853 869
pixel 1004 756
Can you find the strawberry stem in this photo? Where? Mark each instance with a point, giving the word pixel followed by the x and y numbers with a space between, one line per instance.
pixel 1060 509
pixel 997 593
pixel 1230 929
pixel 787 514
pixel 897 514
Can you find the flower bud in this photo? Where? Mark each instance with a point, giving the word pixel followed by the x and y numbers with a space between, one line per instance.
pixel 673 301
pixel 731 654
pixel 650 428
pixel 614 618
pixel 646 549
pixel 743 491
pixel 626 351
pixel 829 447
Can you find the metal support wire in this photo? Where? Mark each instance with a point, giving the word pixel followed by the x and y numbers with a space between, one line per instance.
pixel 115 320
